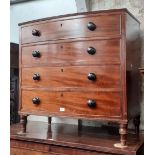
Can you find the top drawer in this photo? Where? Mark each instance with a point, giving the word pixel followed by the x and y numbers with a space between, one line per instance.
pixel 98 26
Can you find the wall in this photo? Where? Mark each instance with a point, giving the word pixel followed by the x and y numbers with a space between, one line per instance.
pixel 136 7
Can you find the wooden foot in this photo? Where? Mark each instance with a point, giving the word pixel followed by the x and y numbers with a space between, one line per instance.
pixel 123 136
pixel 23 121
pixel 136 122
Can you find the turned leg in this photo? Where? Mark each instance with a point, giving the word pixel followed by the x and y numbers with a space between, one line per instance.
pixel 79 127
pixel 79 124
pixel 123 134
pixel 49 129
pixel 49 120
pixel 136 122
pixel 49 124
pixel 23 121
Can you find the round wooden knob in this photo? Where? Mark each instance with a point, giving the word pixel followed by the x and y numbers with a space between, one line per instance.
pixel 91 103
pixel 36 76
pixel 36 54
pixel 91 50
pixel 36 100
pixel 91 26
pixel 35 32
pixel 92 76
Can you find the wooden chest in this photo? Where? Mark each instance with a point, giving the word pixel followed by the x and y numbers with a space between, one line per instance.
pixel 82 66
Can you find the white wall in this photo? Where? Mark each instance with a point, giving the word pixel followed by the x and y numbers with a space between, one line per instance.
pixel 36 9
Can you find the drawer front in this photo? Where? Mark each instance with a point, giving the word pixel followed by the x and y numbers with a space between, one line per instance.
pixel 106 25
pixel 73 53
pixel 72 103
pixel 107 76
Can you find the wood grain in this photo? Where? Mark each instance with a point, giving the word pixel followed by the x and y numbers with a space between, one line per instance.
pixel 74 103
pixel 64 77
pixel 73 53
pixel 17 151
pixel 107 25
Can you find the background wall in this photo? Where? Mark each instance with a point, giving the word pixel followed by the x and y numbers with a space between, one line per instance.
pixel 43 8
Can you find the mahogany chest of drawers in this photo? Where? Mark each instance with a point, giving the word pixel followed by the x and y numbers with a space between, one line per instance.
pixel 82 66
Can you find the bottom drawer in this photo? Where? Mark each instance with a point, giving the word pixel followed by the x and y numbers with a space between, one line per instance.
pixel 71 103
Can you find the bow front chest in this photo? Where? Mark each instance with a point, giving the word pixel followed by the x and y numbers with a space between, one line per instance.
pixel 82 66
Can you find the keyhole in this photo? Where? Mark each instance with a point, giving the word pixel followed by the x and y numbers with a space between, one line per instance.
pixel 62 70
pixel 61 95
pixel 61 25
pixel 61 46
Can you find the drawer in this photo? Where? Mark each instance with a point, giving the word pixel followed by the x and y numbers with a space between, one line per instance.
pixel 73 53
pixel 106 25
pixel 107 76
pixel 71 103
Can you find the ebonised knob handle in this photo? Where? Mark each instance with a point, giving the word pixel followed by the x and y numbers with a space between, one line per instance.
pixel 36 54
pixel 92 76
pixel 91 26
pixel 35 32
pixel 91 50
pixel 91 103
pixel 36 76
pixel 36 100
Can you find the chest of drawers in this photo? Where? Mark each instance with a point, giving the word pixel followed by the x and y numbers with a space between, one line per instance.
pixel 82 66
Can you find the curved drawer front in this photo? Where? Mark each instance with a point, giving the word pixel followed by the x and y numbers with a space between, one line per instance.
pixel 73 53
pixel 106 25
pixel 72 103
pixel 87 77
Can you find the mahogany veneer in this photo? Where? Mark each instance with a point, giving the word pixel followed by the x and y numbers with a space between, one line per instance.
pixel 73 53
pixel 69 77
pixel 108 104
pixel 82 66
pixel 76 27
